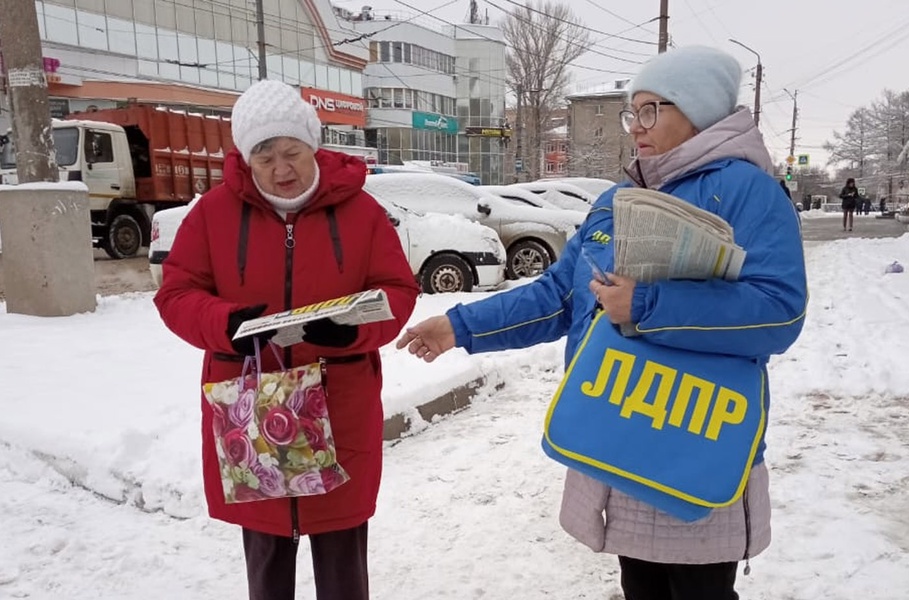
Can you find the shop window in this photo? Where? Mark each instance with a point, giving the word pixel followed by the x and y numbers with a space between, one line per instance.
pixel 121 37
pixel 322 77
pixel 60 24
pixel 291 68
pixel 346 84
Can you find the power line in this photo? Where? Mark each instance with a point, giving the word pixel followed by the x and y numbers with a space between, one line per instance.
pixel 567 41
pixel 621 18
pixel 590 29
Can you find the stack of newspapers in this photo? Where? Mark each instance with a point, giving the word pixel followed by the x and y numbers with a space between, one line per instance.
pixel 659 236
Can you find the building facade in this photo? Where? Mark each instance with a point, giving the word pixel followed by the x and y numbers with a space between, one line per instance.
pixel 410 89
pixel 481 100
pixel 425 85
pixel 598 146
pixel 200 55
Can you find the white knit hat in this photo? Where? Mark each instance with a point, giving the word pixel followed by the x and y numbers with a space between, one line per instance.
pixel 271 109
pixel 703 82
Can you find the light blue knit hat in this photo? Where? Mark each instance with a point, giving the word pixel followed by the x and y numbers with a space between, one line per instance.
pixel 703 82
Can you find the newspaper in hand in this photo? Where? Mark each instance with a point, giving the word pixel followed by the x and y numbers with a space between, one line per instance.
pixel 659 236
pixel 354 309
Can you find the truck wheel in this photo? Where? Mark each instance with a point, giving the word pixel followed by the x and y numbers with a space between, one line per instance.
pixel 445 273
pixel 527 258
pixel 124 237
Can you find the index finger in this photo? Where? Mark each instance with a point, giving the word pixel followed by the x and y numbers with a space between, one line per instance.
pixel 405 339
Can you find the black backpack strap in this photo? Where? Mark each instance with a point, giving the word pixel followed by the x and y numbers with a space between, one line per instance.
pixel 335 237
pixel 243 241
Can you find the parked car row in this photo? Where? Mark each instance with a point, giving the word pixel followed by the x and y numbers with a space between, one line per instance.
pixel 533 237
pixel 457 237
pixel 446 253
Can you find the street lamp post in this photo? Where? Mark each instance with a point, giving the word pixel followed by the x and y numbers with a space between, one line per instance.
pixel 757 82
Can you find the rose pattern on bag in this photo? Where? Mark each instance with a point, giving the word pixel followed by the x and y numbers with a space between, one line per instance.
pixel 274 439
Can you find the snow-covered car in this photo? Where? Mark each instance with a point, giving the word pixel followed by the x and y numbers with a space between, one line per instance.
pixel 164 227
pixel 446 253
pixel 533 237
pixel 563 195
pixel 522 197
pixel 592 185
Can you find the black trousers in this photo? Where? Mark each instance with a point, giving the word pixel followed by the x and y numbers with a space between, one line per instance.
pixel 338 565
pixel 643 580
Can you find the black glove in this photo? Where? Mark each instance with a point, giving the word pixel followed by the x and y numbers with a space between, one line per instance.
pixel 245 346
pixel 325 332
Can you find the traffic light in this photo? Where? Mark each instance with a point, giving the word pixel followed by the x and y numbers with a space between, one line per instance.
pixel 789 173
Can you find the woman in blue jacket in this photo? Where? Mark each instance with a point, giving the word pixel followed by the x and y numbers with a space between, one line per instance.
pixel 694 143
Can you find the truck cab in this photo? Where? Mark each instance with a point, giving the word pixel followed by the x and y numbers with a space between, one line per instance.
pixel 98 155
pixel 135 160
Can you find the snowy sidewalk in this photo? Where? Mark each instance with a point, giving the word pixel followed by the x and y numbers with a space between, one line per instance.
pixel 100 490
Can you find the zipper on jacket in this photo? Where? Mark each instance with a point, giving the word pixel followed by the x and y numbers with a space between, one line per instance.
pixel 747 556
pixel 289 243
pixel 294 521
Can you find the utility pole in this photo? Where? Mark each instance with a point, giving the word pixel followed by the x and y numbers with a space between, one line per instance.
pixel 519 127
pixel 260 26
pixel 664 26
pixel 795 112
pixel 759 74
pixel 536 142
pixel 48 266
pixel 27 87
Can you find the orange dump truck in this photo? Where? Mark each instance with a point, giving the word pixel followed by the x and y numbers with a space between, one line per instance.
pixel 135 161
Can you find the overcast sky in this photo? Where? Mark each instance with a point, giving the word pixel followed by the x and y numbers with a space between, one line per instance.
pixel 840 55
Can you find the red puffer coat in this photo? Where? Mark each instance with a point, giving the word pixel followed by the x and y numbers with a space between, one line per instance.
pixel 231 252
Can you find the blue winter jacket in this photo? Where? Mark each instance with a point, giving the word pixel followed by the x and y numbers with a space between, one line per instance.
pixel 758 315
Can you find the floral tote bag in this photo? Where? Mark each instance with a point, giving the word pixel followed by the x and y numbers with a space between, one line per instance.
pixel 272 433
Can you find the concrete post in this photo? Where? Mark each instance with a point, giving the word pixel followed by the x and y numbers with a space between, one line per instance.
pixel 47 262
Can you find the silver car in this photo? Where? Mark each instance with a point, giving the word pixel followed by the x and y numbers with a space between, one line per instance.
pixel 533 237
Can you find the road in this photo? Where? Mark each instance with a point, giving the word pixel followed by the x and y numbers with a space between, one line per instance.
pixel 114 276
pixel 830 227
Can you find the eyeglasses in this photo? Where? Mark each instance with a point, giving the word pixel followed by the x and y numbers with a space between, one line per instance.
pixel 646 115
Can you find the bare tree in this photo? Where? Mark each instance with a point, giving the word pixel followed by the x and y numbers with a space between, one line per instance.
pixel 544 38
pixel 854 146
pixel 589 159
pixel 872 146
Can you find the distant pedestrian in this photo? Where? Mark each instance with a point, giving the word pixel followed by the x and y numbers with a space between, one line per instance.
pixel 850 197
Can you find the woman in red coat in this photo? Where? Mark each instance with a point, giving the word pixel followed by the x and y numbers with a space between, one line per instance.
pixel 291 226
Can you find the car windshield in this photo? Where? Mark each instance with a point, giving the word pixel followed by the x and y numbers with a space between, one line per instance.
pixel 66 144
